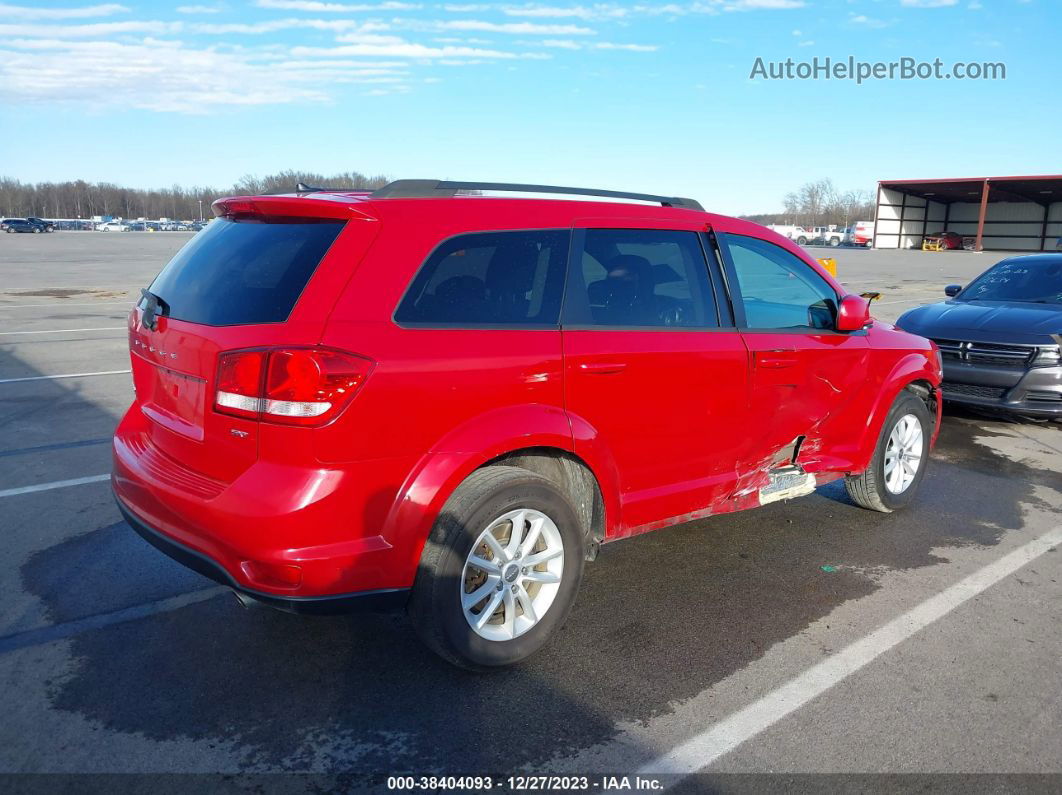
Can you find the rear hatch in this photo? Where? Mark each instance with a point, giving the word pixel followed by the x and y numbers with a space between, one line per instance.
pixel 266 273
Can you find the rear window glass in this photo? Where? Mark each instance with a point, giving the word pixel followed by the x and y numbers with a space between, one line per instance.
pixel 490 279
pixel 243 272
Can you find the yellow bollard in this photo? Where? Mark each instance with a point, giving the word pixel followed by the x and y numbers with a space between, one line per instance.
pixel 830 264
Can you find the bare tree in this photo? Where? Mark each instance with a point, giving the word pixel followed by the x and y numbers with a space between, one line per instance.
pixel 80 199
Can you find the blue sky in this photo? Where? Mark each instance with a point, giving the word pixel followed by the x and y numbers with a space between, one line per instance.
pixel 650 96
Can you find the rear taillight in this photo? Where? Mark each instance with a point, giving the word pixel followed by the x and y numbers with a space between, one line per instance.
pixel 239 385
pixel 295 386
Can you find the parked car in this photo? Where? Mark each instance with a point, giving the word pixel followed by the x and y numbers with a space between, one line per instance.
pixel 113 226
pixel 10 225
pixel 331 412
pixel 862 234
pixel 787 230
pixel 946 240
pixel 801 235
pixel 46 226
pixel 1000 337
pixel 824 235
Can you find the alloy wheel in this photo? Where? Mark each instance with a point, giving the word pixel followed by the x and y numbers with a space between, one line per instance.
pixel 512 574
pixel 903 454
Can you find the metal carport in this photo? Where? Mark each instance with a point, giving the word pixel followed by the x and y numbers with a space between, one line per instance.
pixel 1000 213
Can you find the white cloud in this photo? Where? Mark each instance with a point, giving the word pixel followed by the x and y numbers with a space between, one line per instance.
pixel 607 45
pixel 567 44
pixel 617 11
pixel 83 12
pixel 806 43
pixel 198 10
pixel 273 25
pixel 762 5
pixel 151 74
pixel 862 20
pixel 599 11
pixel 928 3
pixel 90 29
pixel 402 49
pixel 562 44
pixel 339 8
pixel 519 28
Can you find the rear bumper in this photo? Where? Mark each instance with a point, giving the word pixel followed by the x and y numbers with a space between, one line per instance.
pixel 383 599
pixel 293 536
pixel 1036 392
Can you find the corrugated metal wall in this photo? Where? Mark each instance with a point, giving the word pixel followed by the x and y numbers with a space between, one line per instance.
pixel 1009 226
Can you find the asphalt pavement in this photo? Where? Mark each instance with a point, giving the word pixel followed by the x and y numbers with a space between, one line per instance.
pixel 804 637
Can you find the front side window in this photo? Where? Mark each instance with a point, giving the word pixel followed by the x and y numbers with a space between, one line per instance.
pixel 640 278
pixel 778 290
pixel 490 279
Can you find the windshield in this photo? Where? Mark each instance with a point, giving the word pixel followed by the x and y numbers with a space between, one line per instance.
pixel 1018 280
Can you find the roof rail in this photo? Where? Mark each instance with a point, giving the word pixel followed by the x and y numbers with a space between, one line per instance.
pixel 431 188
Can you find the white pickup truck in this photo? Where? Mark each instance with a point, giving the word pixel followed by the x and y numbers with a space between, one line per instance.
pixel 803 235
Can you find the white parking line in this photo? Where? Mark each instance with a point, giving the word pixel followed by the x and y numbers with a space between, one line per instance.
pixel 40 306
pixel 67 330
pixel 55 484
pixel 62 375
pixel 702 750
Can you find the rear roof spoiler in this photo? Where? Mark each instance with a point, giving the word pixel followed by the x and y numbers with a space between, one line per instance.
pixel 432 188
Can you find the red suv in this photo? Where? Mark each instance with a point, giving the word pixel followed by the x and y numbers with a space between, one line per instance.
pixel 429 395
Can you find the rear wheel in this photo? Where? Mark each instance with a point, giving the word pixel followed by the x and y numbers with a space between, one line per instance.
pixel 500 571
pixel 899 461
pixel 835 242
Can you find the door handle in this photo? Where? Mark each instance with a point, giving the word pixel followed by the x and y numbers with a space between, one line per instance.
pixel 776 360
pixel 603 368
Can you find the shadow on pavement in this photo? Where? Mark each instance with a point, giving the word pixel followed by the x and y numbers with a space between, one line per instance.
pixel 659 618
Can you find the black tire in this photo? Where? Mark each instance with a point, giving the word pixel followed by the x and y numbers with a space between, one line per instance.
pixel 435 603
pixel 801 241
pixel 36 230
pixel 835 242
pixel 9 230
pixel 868 490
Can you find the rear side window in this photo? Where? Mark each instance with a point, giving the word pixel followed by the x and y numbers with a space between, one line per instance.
pixel 243 272
pixel 490 279
pixel 642 278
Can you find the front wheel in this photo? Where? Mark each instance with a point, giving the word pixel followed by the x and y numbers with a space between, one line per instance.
pixel 801 241
pixel 899 461
pixel 835 242
pixel 500 570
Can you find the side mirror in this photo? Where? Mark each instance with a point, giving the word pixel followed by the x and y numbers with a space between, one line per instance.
pixel 952 290
pixel 853 314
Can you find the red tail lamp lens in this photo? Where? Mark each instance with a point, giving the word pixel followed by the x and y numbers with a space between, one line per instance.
pixel 301 386
pixel 239 386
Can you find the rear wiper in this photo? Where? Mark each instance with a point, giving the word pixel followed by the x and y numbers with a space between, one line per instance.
pixel 153 307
